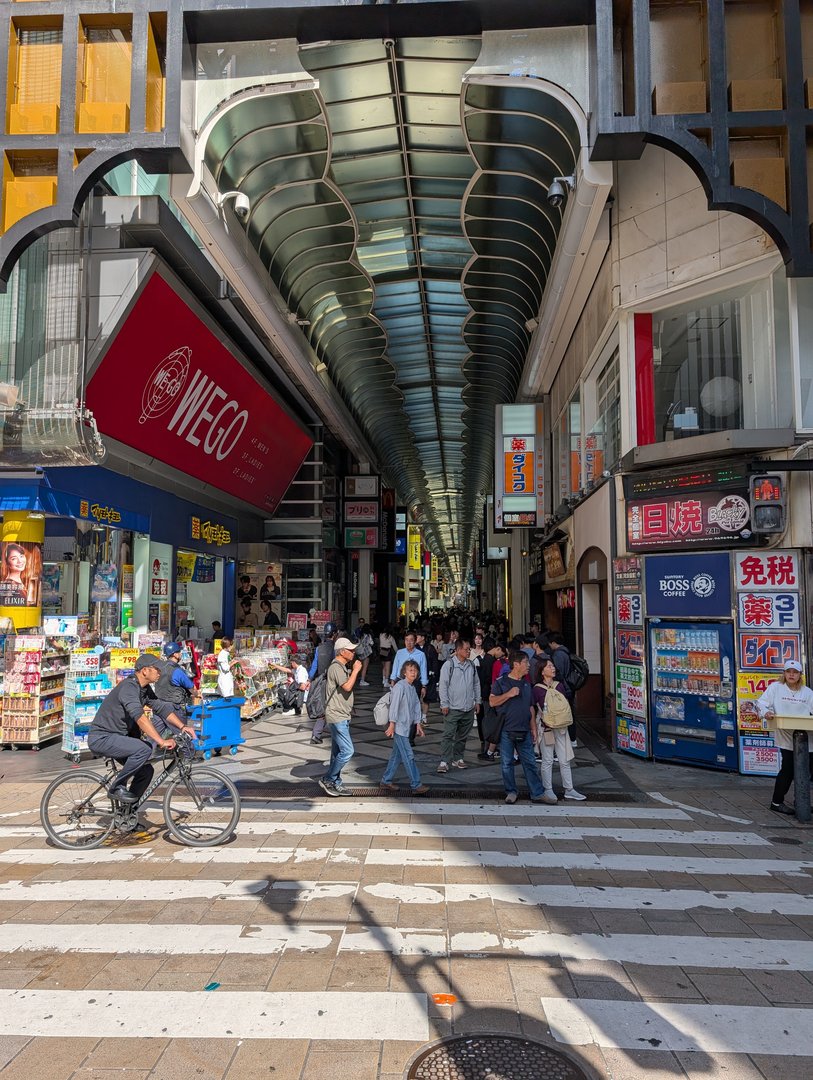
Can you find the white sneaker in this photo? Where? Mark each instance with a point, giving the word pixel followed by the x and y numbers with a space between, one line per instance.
pixel 511 798
pixel 443 767
pixel 549 797
pixel 575 795
pixel 459 764
pixel 288 712
pixel 362 683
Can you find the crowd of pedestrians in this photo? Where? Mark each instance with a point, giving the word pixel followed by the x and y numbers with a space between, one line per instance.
pixel 518 691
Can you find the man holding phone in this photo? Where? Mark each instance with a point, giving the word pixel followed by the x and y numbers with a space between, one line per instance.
pixel 341 680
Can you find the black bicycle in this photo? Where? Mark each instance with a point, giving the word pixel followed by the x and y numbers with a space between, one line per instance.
pixel 201 805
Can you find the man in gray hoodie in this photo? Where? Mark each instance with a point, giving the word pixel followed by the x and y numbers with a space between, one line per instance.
pixel 459 690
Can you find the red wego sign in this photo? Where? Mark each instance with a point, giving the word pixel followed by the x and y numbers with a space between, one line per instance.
pixel 192 405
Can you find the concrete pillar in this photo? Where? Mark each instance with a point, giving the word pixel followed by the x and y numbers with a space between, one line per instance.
pixel 520 613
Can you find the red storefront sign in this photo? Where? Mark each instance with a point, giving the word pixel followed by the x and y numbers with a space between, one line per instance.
pixel 167 386
pixel 696 520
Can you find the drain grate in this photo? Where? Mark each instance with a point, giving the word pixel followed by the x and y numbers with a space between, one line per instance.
pixel 493 1057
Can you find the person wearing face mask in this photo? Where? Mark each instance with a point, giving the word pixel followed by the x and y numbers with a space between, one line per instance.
pixel 787 696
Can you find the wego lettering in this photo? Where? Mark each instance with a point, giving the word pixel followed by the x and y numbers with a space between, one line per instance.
pixel 195 418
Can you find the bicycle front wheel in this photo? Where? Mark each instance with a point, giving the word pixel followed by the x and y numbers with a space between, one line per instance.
pixel 76 811
pixel 202 808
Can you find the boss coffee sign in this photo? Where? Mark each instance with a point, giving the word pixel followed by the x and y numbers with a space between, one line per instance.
pixel 168 387
pixel 688 585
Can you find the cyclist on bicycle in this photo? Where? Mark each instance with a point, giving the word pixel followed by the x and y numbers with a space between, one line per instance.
pixel 121 720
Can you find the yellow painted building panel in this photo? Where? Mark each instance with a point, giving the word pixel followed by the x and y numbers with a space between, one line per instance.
pixel 101 117
pixel 25 195
pixel 35 119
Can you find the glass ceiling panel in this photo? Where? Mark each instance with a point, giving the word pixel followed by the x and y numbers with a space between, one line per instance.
pixel 415 299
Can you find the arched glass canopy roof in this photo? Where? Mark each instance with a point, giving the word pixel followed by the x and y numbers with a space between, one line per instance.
pixel 401 211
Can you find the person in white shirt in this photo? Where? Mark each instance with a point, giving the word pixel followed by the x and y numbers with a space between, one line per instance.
pixel 788 696
pixel 225 679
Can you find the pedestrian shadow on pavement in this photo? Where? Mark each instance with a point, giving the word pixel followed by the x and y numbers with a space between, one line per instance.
pixel 492 990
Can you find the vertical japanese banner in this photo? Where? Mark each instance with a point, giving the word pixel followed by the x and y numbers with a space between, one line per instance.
pixel 21 541
pixel 414 547
pixel 769 624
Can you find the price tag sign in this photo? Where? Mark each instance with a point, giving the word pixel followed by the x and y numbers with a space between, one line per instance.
pixel 120 659
pixel 85 662
pixel 629 683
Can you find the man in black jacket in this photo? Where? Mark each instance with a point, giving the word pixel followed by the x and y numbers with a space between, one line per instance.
pixel 322 659
pixel 120 721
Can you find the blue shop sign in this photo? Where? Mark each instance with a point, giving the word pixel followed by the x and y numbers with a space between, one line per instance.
pixel 694 586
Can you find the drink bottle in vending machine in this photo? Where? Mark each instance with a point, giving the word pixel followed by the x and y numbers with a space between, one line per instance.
pixel 692 694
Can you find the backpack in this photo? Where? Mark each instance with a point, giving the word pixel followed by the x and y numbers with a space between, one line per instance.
pixel 579 671
pixel 381 711
pixel 556 712
pixel 317 703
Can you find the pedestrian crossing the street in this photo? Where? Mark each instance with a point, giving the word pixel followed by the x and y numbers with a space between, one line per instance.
pixel 639 939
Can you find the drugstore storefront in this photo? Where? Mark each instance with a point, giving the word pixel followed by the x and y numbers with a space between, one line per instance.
pixel 129 556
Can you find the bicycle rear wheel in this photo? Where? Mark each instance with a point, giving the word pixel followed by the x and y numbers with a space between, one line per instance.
pixel 202 809
pixel 75 810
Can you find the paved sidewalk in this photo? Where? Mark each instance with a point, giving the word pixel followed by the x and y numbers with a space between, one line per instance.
pixel 279 757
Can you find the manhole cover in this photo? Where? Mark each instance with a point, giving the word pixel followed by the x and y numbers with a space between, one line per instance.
pixel 785 840
pixel 493 1057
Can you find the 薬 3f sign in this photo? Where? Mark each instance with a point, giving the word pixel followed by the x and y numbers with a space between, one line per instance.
pixel 167 386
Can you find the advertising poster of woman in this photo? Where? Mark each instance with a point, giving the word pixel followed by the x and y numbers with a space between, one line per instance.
pixel 21 543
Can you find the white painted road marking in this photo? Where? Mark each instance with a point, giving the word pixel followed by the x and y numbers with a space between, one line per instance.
pixel 352 807
pixel 265 940
pixel 645 949
pixel 712 1029
pixel 542 831
pixel 161 939
pixel 47 856
pixel 571 896
pixel 567 860
pixel 656 795
pixel 81 889
pixel 146 1014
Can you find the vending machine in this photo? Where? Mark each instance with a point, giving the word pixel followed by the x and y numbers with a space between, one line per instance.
pixel 692 692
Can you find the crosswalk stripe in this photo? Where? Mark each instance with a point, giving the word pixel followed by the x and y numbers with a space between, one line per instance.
pixel 617 898
pixel 575 896
pixel 643 949
pixel 81 889
pixel 569 809
pixel 469 832
pixel 712 1029
pixel 145 1014
pixel 162 939
pixel 175 939
pixel 565 860
pixel 51 856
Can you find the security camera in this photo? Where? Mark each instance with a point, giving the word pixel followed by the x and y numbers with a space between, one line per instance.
pixel 559 189
pixel 242 206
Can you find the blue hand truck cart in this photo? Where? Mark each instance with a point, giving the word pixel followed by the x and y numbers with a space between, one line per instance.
pixel 217 722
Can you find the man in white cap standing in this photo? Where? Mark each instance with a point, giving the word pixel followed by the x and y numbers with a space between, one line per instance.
pixel 341 680
pixel 786 696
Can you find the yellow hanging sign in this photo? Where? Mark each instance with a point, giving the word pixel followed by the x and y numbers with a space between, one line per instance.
pixel 414 547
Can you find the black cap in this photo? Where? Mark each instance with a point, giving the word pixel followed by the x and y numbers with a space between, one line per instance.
pixel 148 660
